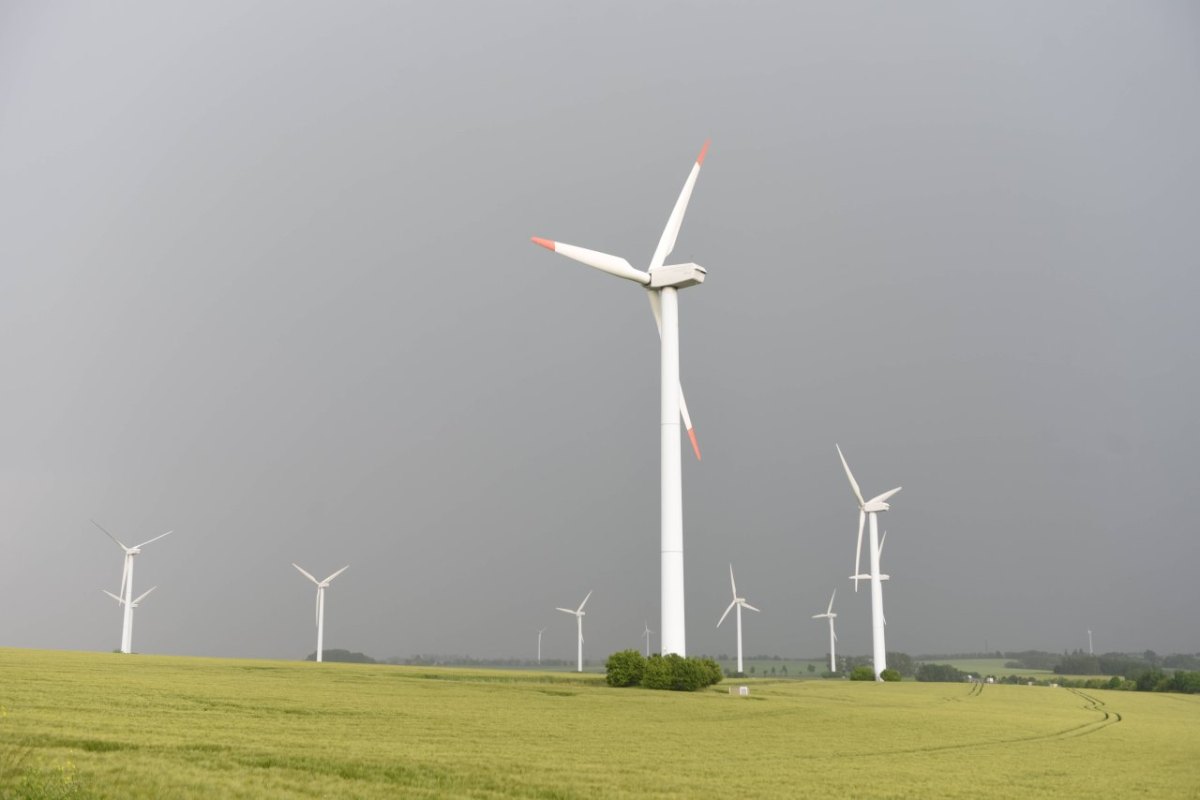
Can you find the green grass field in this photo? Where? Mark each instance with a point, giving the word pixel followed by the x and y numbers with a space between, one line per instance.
pixel 106 725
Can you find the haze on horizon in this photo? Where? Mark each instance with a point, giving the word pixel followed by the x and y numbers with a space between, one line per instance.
pixel 266 280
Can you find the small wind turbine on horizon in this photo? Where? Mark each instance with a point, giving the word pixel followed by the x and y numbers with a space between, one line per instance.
pixel 132 605
pixel 662 284
pixel 868 509
pixel 646 634
pixel 579 614
pixel 740 603
pixel 320 608
pixel 832 635
pixel 126 597
pixel 543 630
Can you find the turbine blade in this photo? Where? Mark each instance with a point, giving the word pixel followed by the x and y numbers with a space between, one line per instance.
pixel 752 608
pixel 317 609
pixel 125 576
pixel 830 609
pixel 656 309
pixel 142 596
pixel 882 541
pixel 732 585
pixel 155 539
pixel 862 516
pixel 613 265
pixel 109 535
pixel 880 498
pixel 835 636
pixel 305 573
pixel 566 610
pixel 334 575
pixel 113 596
pixel 850 475
pixel 584 603
pixel 726 614
pixel 667 242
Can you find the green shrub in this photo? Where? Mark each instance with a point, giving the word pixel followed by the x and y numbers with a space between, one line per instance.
pixel 943 673
pixel 680 674
pixel 624 668
pixel 862 673
pixel 890 675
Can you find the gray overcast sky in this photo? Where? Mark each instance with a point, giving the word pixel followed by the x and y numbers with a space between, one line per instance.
pixel 266 279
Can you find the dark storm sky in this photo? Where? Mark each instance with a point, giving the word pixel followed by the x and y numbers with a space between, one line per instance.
pixel 266 279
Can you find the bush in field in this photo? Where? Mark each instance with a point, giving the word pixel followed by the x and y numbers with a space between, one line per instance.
pixel 680 674
pixel 890 675
pixel 862 673
pixel 624 668
pixel 940 673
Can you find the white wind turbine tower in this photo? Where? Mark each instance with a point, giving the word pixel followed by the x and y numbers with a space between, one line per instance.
pixel 662 285
pixel 646 635
pixel 320 610
pixel 832 635
pixel 126 597
pixel 868 509
pixel 132 605
pixel 740 603
pixel 543 630
pixel 579 614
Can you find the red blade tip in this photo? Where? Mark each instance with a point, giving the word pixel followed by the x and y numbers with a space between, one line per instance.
pixel 546 243
pixel 695 444
pixel 703 152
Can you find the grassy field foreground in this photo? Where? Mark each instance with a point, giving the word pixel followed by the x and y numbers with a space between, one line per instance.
pixel 165 727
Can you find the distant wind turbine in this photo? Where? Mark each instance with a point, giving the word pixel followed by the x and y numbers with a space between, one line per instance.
pixel 832 635
pixel 740 603
pixel 646 634
pixel 579 614
pixel 868 509
pixel 543 630
pixel 320 609
pixel 126 596
pixel 132 605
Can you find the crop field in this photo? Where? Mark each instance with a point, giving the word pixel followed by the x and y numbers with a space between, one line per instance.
pixel 87 725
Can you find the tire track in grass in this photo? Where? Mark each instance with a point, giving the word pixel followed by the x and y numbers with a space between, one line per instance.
pixel 1075 731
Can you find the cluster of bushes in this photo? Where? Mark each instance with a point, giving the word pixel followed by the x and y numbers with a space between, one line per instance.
pixel 864 672
pixel 1148 680
pixel 674 672
pixel 940 673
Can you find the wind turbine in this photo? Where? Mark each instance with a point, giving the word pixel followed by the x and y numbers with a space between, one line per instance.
pixel 646 634
pixel 1089 641
pixel 579 613
pixel 869 508
pixel 126 596
pixel 662 285
pixel 832 635
pixel 740 603
pixel 320 611
pixel 132 605
pixel 543 630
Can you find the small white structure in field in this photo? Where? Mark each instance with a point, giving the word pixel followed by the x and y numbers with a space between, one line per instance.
pixel 741 691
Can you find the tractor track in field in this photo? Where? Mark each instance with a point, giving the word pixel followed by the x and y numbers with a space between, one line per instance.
pixel 1090 704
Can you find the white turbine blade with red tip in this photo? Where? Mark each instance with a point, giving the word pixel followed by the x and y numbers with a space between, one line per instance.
pixel 613 265
pixel 656 308
pixel 667 243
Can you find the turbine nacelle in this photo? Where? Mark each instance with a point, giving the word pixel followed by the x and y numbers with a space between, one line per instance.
pixel 679 276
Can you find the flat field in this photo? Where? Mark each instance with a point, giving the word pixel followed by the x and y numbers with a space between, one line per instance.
pixel 164 727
